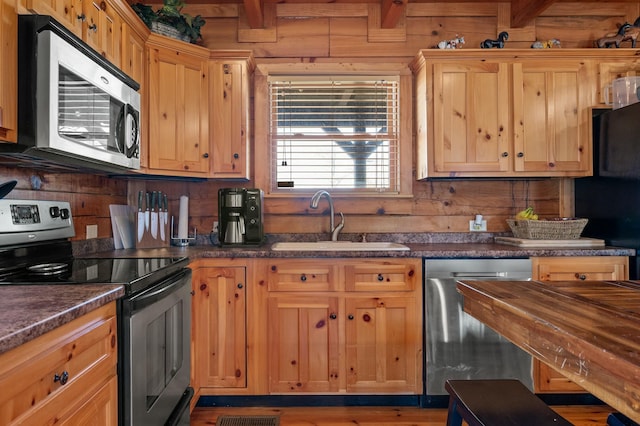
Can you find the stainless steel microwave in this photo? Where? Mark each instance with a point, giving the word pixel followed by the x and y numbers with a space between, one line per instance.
pixel 75 108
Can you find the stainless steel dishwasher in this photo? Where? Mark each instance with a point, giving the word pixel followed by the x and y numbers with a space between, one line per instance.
pixel 457 346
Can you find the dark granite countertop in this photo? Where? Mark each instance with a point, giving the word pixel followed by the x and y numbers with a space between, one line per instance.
pixel 417 250
pixel 29 311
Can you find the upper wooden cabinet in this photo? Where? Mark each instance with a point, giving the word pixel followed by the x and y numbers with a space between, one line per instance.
pixel 502 113
pixel 178 107
pixel 8 71
pixel 229 83
pixel 97 22
pixel 68 12
pixel 102 29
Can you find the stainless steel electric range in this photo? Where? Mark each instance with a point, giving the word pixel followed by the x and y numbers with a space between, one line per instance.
pixel 154 316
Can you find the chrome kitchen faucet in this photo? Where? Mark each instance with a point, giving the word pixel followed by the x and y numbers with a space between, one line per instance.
pixel 335 230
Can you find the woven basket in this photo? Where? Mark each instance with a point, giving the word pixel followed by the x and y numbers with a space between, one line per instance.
pixel 169 31
pixel 565 229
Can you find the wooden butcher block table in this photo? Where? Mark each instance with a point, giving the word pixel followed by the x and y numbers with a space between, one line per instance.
pixel 587 330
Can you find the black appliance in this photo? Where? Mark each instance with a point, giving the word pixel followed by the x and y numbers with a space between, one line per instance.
pixel 154 316
pixel 616 138
pixel 240 216
pixel 611 198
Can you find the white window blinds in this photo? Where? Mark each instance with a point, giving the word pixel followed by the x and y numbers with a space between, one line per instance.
pixel 334 133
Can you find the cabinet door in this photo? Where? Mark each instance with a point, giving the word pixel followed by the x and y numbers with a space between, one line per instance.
pixel 85 350
pixel 8 71
pixel 229 119
pixel 571 269
pixel 219 327
pixel 471 126
pixel 551 122
pixel 133 54
pixel 303 344
pixel 68 12
pixel 102 29
pixel 383 344
pixel 609 70
pixel 178 112
pixel 100 409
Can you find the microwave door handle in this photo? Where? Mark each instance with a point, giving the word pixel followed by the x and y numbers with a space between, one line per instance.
pixel 120 132
pixel 131 130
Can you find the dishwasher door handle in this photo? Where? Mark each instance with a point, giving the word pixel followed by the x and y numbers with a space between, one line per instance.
pixel 479 274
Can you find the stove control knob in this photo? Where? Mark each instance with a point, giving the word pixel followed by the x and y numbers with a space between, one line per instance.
pixel 54 211
pixel 64 214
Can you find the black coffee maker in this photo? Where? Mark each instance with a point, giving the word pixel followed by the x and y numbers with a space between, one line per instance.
pixel 240 216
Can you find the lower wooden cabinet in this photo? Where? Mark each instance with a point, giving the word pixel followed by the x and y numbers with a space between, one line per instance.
pixel 570 269
pixel 67 376
pixel 341 325
pixel 219 326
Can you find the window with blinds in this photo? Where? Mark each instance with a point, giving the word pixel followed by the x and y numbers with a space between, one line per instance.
pixel 336 133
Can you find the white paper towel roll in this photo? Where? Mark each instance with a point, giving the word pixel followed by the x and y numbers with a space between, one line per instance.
pixel 183 219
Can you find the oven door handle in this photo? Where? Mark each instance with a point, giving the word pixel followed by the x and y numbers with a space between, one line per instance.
pixel 159 291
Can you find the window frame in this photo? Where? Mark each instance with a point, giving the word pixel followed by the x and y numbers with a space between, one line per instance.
pixel 262 144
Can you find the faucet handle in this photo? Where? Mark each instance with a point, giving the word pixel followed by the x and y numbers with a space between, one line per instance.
pixel 337 229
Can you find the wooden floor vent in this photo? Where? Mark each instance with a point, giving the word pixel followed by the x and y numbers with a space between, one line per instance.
pixel 248 421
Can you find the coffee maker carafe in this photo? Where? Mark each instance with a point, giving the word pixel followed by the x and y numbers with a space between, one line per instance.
pixel 240 216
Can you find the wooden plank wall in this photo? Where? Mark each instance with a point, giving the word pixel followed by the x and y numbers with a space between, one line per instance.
pixel 351 30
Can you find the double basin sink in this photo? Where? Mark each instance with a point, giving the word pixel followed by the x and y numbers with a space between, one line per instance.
pixel 338 246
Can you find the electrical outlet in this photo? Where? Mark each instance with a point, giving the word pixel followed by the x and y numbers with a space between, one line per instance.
pixel 478 227
pixel 215 226
pixel 92 231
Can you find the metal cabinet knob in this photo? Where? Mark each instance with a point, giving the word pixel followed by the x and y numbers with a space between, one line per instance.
pixel 82 17
pixel 240 285
pixel 205 155
pixel 520 154
pixel 62 378
pixel 333 316
pixel 93 27
pixel 380 277
pixel 505 154
pixel 351 316
pixel 303 277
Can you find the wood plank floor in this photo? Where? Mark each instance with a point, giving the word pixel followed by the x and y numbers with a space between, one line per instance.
pixel 350 416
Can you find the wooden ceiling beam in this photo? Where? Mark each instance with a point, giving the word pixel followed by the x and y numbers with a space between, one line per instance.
pixel 523 11
pixel 391 12
pixel 254 12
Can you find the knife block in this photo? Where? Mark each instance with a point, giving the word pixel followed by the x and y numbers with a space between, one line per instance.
pixel 147 240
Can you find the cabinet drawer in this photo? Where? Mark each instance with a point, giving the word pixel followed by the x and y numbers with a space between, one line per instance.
pixel 581 268
pixel 381 276
pixel 306 275
pixel 51 376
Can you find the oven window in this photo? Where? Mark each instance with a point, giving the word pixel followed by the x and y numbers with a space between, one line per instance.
pixel 86 113
pixel 164 350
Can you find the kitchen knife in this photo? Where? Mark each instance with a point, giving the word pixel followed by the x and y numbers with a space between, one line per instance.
pixel 162 213
pixel 166 209
pixel 140 216
pixel 154 214
pixel 146 213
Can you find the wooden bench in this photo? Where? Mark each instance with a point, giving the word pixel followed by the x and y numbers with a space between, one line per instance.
pixel 497 403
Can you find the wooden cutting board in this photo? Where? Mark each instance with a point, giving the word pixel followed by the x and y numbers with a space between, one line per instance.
pixel 524 242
